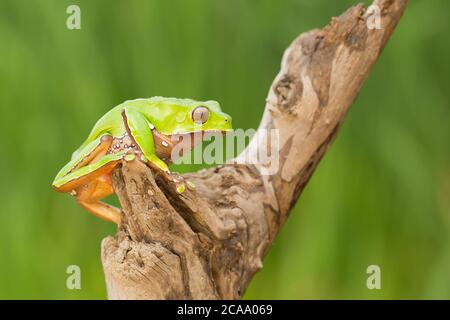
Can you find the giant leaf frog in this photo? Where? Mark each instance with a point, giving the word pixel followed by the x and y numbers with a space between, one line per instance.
pixel 140 129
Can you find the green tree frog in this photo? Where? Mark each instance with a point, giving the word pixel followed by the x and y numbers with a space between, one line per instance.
pixel 144 129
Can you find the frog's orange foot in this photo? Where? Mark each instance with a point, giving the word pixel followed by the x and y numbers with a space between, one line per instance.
pixel 89 195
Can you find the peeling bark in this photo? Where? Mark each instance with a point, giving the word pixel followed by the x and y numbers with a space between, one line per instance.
pixel 208 242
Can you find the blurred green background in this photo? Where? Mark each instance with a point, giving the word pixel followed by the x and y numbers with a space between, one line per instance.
pixel 380 196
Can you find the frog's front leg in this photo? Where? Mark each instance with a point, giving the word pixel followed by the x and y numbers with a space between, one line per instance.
pixel 140 130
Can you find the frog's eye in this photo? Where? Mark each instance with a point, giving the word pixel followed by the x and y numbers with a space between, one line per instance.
pixel 200 114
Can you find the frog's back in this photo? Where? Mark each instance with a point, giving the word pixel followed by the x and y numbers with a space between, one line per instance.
pixel 111 122
pixel 158 109
pixel 152 105
pixel 154 108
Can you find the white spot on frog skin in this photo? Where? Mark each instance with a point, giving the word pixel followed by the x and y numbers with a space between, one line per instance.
pixel 164 143
pixel 151 126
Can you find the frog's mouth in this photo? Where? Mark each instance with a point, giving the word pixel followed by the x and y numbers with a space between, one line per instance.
pixel 201 133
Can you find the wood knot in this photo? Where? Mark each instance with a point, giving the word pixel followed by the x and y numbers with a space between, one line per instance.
pixel 288 90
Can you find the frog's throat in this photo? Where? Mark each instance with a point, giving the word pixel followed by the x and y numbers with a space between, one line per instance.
pixel 165 143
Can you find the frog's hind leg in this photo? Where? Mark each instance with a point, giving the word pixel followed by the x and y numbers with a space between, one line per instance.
pixel 88 176
pixel 67 178
pixel 89 196
pixel 92 182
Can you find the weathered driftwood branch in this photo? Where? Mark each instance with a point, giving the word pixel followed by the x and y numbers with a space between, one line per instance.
pixel 209 242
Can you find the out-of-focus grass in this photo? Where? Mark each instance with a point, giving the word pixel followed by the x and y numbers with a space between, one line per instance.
pixel 380 196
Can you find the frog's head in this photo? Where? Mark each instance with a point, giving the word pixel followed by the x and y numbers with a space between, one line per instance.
pixel 207 116
pixel 181 116
pixel 181 120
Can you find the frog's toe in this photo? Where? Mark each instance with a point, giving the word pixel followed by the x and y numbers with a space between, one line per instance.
pixel 178 181
pixel 129 157
pixel 181 187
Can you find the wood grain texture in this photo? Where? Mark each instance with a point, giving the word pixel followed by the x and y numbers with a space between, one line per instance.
pixel 208 242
